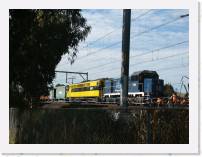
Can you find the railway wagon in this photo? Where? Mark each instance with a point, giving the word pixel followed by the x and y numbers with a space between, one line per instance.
pixel 60 92
pixel 144 84
pixel 90 89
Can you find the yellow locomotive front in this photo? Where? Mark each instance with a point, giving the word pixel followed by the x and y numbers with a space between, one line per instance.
pixel 90 89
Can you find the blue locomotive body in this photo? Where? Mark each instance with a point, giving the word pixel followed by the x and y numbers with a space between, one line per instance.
pixel 141 83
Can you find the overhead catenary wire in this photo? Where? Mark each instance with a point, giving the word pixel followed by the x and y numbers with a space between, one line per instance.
pixel 114 69
pixel 138 55
pixel 159 26
pixel 138 34
pixel 140 63
pixel 174 67
pixel 141 15
pixel 162 58
pixel 154 50
pixel 163 69
pixel 107 34
pixel 134 36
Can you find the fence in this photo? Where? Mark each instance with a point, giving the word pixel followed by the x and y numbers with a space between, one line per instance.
pixel 99 126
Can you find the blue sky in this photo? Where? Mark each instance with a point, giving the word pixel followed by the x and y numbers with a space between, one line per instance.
pixel 102 58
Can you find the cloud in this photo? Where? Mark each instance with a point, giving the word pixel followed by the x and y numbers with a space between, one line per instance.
pixel 101 60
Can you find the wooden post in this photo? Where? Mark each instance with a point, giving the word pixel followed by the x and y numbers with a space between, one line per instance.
pixel 125 57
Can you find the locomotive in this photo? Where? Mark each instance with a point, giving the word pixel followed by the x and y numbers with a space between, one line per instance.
pixel 144 84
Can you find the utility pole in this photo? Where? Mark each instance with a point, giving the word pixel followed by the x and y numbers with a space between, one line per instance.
pixel 125 57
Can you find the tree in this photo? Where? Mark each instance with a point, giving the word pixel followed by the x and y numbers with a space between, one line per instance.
pixel 37 41
pixel 168 90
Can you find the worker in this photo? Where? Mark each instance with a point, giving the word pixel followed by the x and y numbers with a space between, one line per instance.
pixel 159 101
pixel 173 99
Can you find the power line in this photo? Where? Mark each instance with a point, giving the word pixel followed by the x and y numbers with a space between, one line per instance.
pixel 102 37
pixel 181 72
pixel 139 35
pixel 141 15
pixel 162 58
pixel 107 34
pixel 165 69
pixel 139 55
pixel 101 49
pixel 162 48
pixel 94 52
pixel 161 25
pixel 144 62
pixel 142 54
pixel 135 35
pixel 174 67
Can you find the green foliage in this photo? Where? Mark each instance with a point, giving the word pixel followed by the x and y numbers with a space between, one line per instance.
pixel 37 41
pixel 168 90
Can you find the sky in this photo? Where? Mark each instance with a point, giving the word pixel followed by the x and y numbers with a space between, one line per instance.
pixel 158 41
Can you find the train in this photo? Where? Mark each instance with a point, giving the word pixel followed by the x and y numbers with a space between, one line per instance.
pixel 141 84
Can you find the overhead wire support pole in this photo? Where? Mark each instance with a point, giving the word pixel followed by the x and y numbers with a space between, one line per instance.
pixel 125 57
pixel 72 78
pixel 70 72
pixel 66 77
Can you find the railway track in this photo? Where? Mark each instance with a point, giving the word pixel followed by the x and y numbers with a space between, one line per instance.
pixel 94 104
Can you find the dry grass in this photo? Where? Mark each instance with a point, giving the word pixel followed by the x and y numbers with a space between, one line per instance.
pixel 99 126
